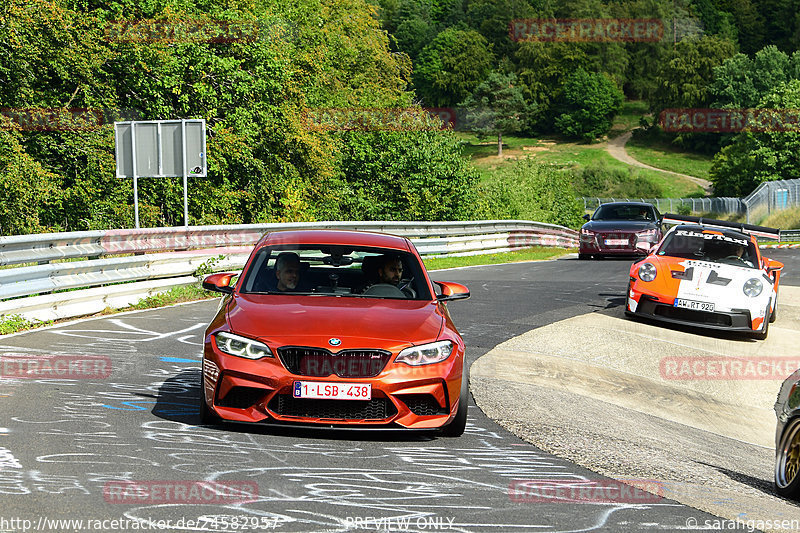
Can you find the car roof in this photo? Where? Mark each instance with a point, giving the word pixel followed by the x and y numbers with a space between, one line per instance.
pixel 716 229
pixel 335 237
pixel 637 204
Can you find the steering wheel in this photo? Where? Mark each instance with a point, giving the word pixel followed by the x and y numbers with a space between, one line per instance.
pixel 385 290
pixel 405 285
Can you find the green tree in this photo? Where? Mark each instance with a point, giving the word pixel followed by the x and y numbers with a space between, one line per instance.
pixel 588 105
pixel 758 156
pixel 743 82
pixel 683 80
pixel 452 66
pixel 496 107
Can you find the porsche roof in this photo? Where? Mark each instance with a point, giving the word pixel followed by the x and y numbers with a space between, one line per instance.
pixel 714 229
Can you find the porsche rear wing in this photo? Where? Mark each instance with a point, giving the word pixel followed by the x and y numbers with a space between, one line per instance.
pixel 751 229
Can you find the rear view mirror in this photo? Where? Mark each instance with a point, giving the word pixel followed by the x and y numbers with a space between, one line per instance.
pixel 451 291
pixel 219 282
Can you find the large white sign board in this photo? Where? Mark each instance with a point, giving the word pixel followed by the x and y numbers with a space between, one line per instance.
pixel 161 149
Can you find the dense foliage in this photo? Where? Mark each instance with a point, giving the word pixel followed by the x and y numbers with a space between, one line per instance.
pixel 268 161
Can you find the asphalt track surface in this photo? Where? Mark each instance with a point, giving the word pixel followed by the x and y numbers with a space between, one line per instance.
pixel 66 444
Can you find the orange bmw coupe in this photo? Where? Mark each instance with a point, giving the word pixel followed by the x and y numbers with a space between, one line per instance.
pixel 335 328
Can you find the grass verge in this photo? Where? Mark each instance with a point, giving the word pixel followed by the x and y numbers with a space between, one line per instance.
pixel 661 154
pixel 535 253
pixel 190 293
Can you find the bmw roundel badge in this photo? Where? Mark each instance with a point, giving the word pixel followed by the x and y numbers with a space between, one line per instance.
pixel 334 341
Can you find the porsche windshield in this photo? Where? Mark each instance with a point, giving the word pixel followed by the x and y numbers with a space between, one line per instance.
pixel 316 270
pixel 710 246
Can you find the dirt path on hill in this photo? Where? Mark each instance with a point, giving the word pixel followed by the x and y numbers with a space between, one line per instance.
pixel 616 149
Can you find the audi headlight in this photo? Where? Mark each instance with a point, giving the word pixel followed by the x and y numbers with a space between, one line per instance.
pixel 647 235
pixel 426 354
pixel 752 287
pixel 647 272
pixel 241 346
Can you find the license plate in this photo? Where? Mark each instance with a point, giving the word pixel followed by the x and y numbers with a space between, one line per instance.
pixel 332 390
pixel 616 242
pixel 691 304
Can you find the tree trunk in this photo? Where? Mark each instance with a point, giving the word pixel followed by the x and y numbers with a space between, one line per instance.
pixel 499 144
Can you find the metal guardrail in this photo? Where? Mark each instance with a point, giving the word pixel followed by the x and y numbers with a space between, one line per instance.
pixel 790 235
pixel 768 197
pixel 166 257
pixel 722 205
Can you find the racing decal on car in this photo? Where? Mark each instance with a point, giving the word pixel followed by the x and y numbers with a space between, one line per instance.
pixel 711 236
pixel 709 288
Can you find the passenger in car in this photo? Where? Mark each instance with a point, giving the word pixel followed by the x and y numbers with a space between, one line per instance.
pixel 287 270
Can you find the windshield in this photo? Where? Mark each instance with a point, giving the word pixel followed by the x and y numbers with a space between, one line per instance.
pixel 710 246
pixel 324 270
pixel 624 212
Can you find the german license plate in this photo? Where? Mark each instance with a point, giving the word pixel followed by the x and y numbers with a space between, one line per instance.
pixel 691 304
pixel 616 242
pixel 332 390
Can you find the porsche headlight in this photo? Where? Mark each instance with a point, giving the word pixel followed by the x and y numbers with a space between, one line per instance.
pixel 241 346
pixel 426 354
pixel 752 287
pixel 647 272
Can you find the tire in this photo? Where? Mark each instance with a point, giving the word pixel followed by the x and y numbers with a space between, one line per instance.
pixel 207 416
pixel 774 314
pixel 584 257
pixel 787 461
pixel 762 335
pixel 459 423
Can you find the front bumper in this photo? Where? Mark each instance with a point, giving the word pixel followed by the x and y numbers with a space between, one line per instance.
pixel 242 390
pixel 595 244
pixel 654 308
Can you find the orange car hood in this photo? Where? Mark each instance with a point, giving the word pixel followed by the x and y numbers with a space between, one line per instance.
pixel 313 320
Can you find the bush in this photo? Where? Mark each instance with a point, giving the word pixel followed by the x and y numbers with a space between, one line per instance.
pixel 598 179
pixel 531 191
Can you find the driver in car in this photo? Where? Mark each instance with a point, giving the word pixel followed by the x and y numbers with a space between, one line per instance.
pixel 390 271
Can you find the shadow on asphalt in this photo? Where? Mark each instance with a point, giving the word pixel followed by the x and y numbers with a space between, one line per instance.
pixel 178 400
pixel 762 485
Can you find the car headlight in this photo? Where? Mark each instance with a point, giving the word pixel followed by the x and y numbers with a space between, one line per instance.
pixel 426 354
pixel 241 346
pixel 647 272
pixel 647 235
pixel 752 287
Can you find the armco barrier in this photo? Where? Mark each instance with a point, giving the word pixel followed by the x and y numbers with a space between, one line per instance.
pixel 115 268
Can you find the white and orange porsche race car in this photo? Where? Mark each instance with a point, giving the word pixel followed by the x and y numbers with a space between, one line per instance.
pixel 707 273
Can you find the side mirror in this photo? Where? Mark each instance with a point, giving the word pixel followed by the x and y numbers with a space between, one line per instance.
pixel 645 246
pixel 586 217
pixel 451 291
pixel 219 282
